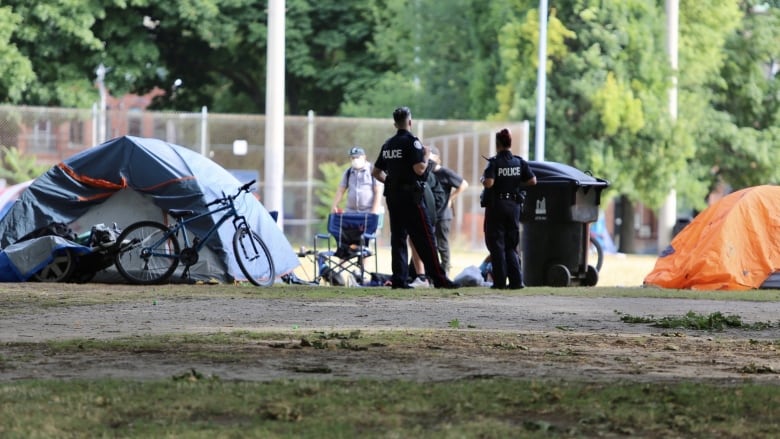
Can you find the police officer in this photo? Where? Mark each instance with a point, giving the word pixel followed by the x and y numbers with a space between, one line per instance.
pixel 401 166
pixel 502 180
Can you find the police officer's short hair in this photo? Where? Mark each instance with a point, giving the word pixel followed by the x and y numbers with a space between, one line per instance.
pixel 401 115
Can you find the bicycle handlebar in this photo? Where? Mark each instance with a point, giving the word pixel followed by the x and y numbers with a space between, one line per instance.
pixel 244 188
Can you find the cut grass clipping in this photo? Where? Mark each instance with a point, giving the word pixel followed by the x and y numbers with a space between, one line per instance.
pixel 691 320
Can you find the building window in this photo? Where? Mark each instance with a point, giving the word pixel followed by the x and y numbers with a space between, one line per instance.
pixel 76 133
pixel 134 123
pixel 41 139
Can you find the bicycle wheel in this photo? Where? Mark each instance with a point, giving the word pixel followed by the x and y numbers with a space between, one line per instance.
pixel 595 251
pixel 147 254
pixel 253 257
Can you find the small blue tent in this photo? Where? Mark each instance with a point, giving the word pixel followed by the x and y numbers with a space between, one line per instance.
pixel 130 179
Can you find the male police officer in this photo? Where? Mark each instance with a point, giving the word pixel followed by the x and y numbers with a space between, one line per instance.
pixel 401 167
pixel 502 179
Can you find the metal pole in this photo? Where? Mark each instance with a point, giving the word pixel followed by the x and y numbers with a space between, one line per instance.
pixel 274 99
pixel 459 204
pixel 541 82
pixel 95 122
pixel 667 215
pixel 100 72
pixel 310 172
pixel 204 132
pixel 525 129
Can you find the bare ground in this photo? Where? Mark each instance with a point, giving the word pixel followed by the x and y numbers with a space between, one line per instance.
pixel 535 337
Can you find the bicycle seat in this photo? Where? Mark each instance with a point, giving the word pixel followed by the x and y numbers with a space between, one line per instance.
pixel 180 213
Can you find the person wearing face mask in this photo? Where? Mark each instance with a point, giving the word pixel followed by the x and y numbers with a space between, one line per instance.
pixel 364 192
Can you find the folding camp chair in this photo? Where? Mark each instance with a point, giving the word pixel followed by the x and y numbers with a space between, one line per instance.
pixel 351 238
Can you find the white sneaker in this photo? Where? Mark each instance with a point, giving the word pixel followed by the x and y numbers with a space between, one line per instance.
pixel 420 282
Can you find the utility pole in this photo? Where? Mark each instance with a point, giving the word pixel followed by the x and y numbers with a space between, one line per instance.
pixel 274 111
pixel 100 74
pixel 541 83
pixel 667 215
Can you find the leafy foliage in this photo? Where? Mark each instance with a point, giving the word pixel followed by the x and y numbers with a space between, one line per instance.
pixel 440 71
pixel 17 167
pixel 325 190
pixel 608 73
pixel 741 128
pixel 16 70
pixel 54 44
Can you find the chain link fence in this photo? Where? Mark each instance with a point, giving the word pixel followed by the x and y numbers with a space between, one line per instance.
pixel 54 134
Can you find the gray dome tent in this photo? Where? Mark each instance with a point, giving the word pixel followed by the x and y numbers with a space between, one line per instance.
pixel 129 179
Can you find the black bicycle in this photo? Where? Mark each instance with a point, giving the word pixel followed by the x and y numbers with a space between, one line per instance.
pixel 150 251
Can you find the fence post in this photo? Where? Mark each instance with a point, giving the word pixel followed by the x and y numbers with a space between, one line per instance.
pixel 458 220
pixel 204 124
pixel 309 171
pixel 94 124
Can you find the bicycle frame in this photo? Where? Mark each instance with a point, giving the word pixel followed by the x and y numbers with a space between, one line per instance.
pixel 198 242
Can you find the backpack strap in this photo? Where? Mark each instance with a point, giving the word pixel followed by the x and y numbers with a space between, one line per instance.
pixel 346 177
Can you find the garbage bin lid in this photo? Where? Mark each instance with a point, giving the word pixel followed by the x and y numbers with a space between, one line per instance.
pixel 553 172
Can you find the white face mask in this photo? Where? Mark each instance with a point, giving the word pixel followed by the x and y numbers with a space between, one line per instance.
pixel 358 162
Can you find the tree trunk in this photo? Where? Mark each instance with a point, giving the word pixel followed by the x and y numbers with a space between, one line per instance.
pixel 627 233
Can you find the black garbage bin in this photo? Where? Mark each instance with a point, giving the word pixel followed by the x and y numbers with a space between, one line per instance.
pixel 556 221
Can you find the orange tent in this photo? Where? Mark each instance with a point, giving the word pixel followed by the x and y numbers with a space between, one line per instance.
pixel 733 245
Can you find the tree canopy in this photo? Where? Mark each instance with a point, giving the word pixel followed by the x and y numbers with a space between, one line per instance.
pixel 608 73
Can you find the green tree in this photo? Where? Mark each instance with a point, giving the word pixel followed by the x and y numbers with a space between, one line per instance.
pixel 739 137
pixel 17 167
pixel 326 52
pixel 54 40
pixel 606 97
pixel 442 58
pixel 217 48
pixel 16 71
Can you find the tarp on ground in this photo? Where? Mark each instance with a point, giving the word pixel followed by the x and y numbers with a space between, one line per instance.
pixel 732 245
pixel 20 261
pixel 130 179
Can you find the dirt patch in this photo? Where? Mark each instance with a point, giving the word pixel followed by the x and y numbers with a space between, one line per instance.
pixel 454 338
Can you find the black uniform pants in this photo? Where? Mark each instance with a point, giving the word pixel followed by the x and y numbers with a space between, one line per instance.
pixel 502 237
pixel 410 219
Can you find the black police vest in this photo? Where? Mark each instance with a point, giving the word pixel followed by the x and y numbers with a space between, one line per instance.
pixel 509 174
pixel 399 156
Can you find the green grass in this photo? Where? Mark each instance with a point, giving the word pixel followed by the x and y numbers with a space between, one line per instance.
pixel 716 321
pixel 194 406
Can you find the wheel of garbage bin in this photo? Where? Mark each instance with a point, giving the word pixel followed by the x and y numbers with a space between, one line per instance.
pixel 591 276
pixel 558 275
pixel 59 269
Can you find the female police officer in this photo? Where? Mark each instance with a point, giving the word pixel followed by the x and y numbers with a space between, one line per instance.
pixel 502 199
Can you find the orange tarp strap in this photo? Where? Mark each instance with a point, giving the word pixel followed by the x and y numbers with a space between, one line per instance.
pixel 94 182
pixel 105 184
